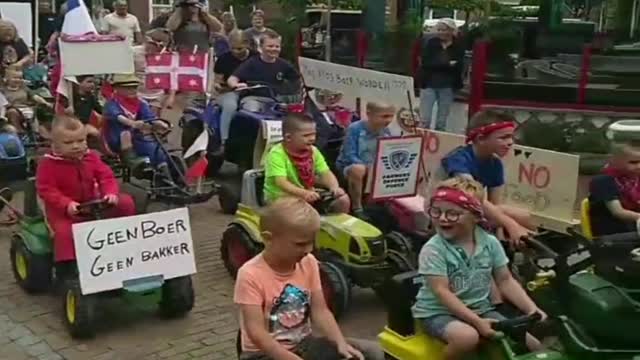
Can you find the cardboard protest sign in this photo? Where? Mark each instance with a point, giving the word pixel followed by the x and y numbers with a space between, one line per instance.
pixel 270 134
pixel 95 55
pixel 349 80
pixel 542 181
pixel 112 251
pixel 395 173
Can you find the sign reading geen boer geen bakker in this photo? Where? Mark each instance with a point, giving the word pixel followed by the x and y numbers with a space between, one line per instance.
pixel 112 251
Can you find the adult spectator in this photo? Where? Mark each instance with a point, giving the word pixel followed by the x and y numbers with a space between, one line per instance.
pixel 120 22
pixel 224 68
pixel 441 73
pixel 14 52
pixel 228 22
pixel 192 26
pixel 267 68
pixel 257 29
pixel 47 21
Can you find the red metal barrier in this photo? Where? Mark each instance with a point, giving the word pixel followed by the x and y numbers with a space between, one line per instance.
pixel 478 73
pixel 584 74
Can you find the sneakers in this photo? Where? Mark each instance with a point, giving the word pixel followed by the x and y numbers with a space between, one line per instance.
pixel 360 214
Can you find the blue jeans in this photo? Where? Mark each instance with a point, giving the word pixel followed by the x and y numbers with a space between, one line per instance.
pixel 428 98
pixel 229 103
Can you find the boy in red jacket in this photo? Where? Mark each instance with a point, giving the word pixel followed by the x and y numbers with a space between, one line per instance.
pixel 71 175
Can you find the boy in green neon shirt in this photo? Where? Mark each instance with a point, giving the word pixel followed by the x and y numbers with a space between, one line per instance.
pixel 296 168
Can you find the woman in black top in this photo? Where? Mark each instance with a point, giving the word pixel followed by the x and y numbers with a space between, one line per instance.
pixel 441 62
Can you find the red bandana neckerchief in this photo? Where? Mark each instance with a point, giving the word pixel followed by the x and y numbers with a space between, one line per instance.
pixel 488 129
pixel 303 161
pixel 130 105
pixel 629 186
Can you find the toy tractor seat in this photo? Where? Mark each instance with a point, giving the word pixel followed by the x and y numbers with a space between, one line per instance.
pixel 585 219
pixel 399 295
pixel 253 188
pixel 617 259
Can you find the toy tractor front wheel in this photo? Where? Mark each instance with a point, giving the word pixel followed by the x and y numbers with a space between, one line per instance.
pixel 178 297
pixel 79 310
pixel 399 243
pixel 237 248
pixel 335 287
pixel 33 272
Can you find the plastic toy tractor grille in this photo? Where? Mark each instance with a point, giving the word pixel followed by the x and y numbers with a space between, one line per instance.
pixel 377 246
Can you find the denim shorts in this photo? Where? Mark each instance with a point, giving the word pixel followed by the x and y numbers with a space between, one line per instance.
pixel 436 325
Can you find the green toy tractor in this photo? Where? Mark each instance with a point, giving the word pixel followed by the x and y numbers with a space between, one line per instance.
pixel 32 261
pixel 351 251
pixel 593 289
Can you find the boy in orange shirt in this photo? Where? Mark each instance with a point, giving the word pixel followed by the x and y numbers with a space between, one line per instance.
pixel 279 293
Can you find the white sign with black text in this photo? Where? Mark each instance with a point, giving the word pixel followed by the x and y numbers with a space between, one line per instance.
pixel 112 251
pixel 395 173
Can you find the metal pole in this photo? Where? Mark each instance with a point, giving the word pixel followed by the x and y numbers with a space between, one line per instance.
pixel 327 46
pixel 36 37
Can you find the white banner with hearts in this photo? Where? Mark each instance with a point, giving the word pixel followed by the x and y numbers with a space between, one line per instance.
pixel 541 181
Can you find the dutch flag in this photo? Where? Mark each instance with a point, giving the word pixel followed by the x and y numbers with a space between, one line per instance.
pixel 77 20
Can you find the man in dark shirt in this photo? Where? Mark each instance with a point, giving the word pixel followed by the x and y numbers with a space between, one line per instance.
pixel 268 68
pixel 47 21
pixel 224 68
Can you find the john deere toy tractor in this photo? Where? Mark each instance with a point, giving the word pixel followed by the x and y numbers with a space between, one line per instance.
pixel 594 292
pixel 351 251
pixel 32 261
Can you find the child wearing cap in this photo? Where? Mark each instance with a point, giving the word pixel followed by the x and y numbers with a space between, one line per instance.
pixel 127 119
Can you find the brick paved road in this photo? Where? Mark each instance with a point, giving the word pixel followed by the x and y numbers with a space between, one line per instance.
pixel 31 326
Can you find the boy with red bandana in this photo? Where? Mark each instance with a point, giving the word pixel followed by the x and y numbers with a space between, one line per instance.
pixel 614 195
pixel 489 138
pixel 295 167
pixel 71 175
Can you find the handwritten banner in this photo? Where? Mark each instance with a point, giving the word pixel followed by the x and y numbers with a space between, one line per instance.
pixel 112 251
pixel 542 181
pixel 363 83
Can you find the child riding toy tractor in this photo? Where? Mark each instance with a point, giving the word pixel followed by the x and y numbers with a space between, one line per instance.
pixel 351 250
pixel 32 260
pixel 404 338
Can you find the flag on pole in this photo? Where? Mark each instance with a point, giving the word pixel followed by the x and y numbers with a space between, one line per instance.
pixel 77 21
pixel 174 71
pixel 198 170
pixel 201 143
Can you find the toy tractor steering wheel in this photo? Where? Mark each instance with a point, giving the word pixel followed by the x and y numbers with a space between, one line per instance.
pixel 516 328
pixel 326 198
pixel 93 207
pixel 155 130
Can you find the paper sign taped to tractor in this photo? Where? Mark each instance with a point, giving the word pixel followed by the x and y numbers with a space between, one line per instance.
pixel 269 135
pixel 542 181
pixel 353 81
pixel 112 251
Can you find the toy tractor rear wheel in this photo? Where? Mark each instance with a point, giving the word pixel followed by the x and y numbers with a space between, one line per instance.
pixel 237 248
pixel 335 287
pixel 178 297
pixel 229 198
pixel 32 272
pixel 399 243
pixel 79 310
